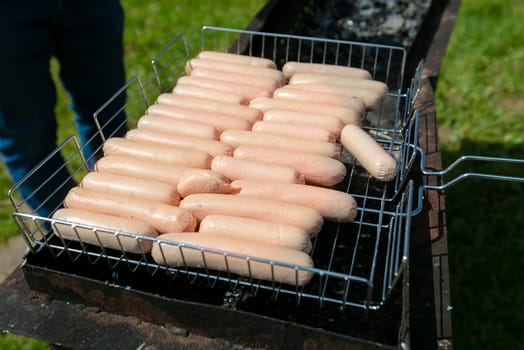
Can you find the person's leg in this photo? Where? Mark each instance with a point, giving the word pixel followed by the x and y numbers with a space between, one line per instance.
pixel 89 36
pixel 27 102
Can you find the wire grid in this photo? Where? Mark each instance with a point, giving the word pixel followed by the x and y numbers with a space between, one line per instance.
pixel 356 264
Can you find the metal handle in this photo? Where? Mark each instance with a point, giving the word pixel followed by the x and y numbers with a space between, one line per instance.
pixel 455 180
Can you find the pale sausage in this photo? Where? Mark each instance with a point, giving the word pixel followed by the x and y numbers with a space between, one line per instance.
pixel 145 169
pixel 245 89
pixel 332 124
pixel 233 110
pixel 260 82
pixel 205 181
pixel 304 96
pixel 234 68
pixel 334 205
pixel 220 96
pixel 163 217
pixel 238 58
pixel 291 68
pixel 211 147
pixel 218 252
pixel 103 230
pixel 317 170
pixel 238 138
pixel 280 212
pixel 235 168
pixel 306 78
pixel 133 187
pixel 379 163
pixel 159 122
pixel 216 119
pixel 262 231
pixel 164 154
pixel 303 131
pixel 346 115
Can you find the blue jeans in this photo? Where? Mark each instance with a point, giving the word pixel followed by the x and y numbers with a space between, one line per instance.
pixel 86 37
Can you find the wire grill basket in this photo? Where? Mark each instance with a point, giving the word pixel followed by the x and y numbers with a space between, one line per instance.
pixel 356 264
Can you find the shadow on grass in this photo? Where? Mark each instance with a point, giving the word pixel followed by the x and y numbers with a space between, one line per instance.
pixel 485 220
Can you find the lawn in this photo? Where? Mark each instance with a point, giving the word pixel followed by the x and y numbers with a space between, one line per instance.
pixel 480 106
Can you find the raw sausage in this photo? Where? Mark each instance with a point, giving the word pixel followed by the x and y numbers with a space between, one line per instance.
pixel 220 96
pixel 235 168
pixel 238 58
pixel 260 82
pixel 317 170
pixel 280 212
pixel 146 150
pixel 346 115
pixel 233 110
pixel 380 164
pixel 103 230
pixel 301 95
pixel 306 78
pixel 195 250
pixel 238 138
pixel 334 205
pixel 131 186
pixel 145 169
pixel 157 122
pixel 163 217
pixel 216 119
pixel 332 124
pixel 262 231
pixel 205 181
pixel 211 147
pixel 291 68
pixel 245 89
pixel 303 131
pixel 234 68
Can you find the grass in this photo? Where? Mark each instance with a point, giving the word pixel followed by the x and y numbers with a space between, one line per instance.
pixel 481 111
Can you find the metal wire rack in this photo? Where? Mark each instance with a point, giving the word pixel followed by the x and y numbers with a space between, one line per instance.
pixel 356 264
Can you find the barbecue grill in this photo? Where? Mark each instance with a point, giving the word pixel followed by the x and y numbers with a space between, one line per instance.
pixel 361 293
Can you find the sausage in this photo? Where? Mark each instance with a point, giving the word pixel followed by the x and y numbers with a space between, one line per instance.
pixel 334 205
pixel 238 58
pixel 317 170
pixel 301 95
pixel 145 169
pixel 211 252
pixel 205 104
pixel 332 124
pixel 238 138
pixel 262 231
pixel 260 82
pixel 163 217
pixel 303 131
pixel 131 186
pixel 307 78
pixel 103 230
pixel 243 88
pixel 216 119
pixel 205 181
pixel 369 153
pixel 346 115
pixel 159 153
pixel 204 204
pixel 220 96
pixel 234 68
pixel 291 68
pixel 235 168
pixel 157 122
pixel 370 97
pixel 211 147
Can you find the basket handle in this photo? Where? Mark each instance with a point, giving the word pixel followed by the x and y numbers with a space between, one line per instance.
pixel 455 180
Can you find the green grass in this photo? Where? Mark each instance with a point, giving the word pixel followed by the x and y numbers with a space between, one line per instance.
pixel 481 111
pixel 480 107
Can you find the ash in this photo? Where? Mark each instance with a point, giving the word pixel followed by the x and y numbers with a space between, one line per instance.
pixel 390 22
